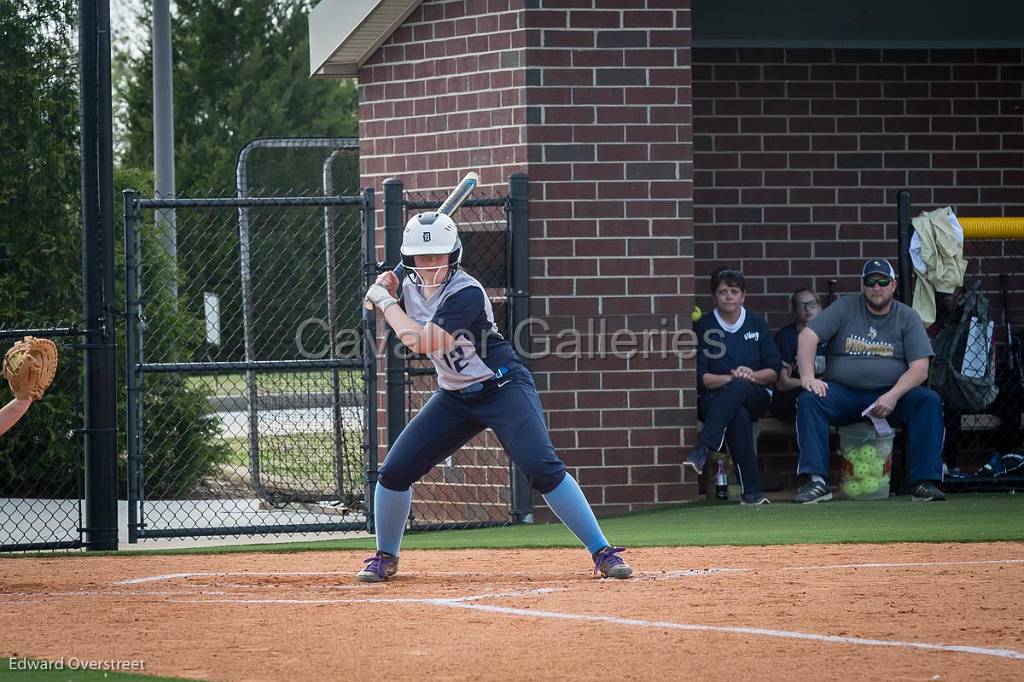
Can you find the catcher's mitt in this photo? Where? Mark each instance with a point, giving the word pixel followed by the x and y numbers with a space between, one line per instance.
pixel 29 367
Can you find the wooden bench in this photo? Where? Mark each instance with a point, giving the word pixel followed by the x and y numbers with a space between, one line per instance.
pixel 770 426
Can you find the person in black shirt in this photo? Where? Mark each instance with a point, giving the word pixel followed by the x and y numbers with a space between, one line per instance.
pixel 737 362
pixel 806 307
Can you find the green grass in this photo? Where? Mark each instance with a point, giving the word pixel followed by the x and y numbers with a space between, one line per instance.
pixel 963 518
pixel 6 673
pixel 275 382
pixel 305 457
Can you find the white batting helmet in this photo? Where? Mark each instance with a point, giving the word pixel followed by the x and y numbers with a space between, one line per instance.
pixel 431 234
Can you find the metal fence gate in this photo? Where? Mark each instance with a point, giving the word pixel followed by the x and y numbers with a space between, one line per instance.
pixel 478 486
pixel 249 389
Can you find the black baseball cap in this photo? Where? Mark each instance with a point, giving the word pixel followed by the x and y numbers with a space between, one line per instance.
pixel 878 266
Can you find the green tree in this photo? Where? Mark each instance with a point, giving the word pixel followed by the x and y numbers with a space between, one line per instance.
pixel 40 242
pixel 39 162
pixel 40 272
pixel 241 71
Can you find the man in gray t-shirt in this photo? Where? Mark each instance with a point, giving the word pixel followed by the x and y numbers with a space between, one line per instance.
pixel 878 355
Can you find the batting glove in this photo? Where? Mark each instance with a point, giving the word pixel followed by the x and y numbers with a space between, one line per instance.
pixel 380 297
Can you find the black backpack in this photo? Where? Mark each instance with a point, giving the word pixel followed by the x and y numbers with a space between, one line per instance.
pixel 973 391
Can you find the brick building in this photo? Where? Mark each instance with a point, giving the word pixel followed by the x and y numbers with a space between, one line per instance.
pixel 661 140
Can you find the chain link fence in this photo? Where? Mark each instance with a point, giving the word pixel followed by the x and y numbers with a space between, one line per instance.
pixel 247 378
pixel 41 456
pixel 978 370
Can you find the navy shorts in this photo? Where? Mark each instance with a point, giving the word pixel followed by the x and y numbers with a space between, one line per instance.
pixel 509 406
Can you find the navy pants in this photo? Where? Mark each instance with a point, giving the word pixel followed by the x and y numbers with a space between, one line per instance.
pixel 729 415
pixel 919 412
pixel 508 406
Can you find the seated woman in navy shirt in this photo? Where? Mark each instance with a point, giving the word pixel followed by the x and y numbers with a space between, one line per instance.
pixel 737 361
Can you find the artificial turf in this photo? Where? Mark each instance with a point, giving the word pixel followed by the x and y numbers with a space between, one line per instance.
pixel 962 518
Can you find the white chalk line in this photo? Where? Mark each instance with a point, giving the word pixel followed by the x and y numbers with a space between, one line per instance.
pixel 908 564
pixel 100 593
pixel 694 572
pixel 470 603
pixel 200 574
pixel 376 600
pixel 762 632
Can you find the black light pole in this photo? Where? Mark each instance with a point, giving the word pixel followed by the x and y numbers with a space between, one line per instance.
pixel 98 275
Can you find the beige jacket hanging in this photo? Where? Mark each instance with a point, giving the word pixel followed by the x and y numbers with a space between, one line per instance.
pixel 938 256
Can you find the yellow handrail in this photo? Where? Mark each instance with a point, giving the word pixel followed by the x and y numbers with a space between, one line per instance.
pixel 993 227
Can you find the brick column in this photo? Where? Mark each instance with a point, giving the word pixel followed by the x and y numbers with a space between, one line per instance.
pixel 594 106
pixel 609 148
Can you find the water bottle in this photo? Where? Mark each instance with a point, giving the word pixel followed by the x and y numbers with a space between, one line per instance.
pixel 721 480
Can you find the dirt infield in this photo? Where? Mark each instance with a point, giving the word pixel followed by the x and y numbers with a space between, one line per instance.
pixel 908 611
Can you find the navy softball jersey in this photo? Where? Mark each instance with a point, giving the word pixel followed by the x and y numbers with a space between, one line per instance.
pixel 722 348
pixel 462 309
pixel 472 397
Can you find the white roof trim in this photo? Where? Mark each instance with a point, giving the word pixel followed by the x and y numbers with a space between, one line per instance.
pixel 343 34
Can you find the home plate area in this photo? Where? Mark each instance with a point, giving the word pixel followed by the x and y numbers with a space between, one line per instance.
pixel 926 611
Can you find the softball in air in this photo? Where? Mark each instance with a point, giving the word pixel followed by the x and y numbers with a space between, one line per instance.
pixel 696 314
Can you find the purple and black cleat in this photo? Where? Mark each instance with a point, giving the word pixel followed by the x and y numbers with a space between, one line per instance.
pixel 609 564
pixel 379 568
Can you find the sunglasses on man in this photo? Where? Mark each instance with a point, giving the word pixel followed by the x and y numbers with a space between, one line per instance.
pixel 871 282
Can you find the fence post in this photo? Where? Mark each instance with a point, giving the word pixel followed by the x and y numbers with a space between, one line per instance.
pixel 519 244
pixel 369 319
pixel 100 365
pixel 132 316
pixel 903 234
pixel 394 223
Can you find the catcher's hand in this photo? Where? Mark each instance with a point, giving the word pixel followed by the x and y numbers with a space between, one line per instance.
pixel 30 366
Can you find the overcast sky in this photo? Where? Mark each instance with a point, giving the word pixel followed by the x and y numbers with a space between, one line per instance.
pixel 123 28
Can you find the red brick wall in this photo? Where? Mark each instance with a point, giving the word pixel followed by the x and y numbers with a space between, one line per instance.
pixel 594 105
pixel 443 96
pixel 799 154
pixel 611 235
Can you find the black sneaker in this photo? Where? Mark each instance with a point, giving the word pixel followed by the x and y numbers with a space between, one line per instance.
pixel 813 492
pixel 697 459
pixel 927 491
pixel 754 499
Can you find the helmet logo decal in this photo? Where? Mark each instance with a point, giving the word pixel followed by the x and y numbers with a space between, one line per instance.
pixel 426 236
